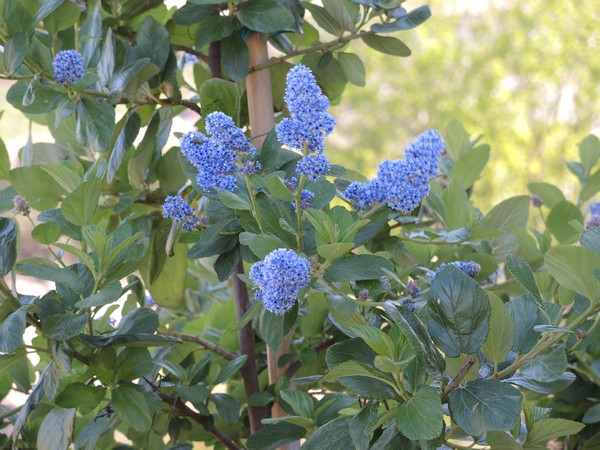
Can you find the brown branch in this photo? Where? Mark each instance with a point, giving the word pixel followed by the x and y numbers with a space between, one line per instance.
pixel 296 365
pixel 464 370
pixel 246 339
pixel 201 56
pixel 186 411
pixel 203 343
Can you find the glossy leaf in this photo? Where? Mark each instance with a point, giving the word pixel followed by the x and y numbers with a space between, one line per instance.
pixel 8 243
pixel 420 417
pixel 12 330
pixel 264 16
pixel 357 267
pixel 547 429
pixel 132 408
pixel 387 45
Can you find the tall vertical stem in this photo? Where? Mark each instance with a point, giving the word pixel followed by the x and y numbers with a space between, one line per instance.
pixel 260 108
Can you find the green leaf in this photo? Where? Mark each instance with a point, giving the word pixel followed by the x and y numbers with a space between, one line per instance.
pixel 95 124
pixel 500 338
pixel 63 17
pixel 127 134
pixel 127 339
pixel 273 326
pixel 131 407
pixel 46 270
pixel 272 437
pixel 500 440
pixel 406 22
pixel 525 315
pixel 353 68
pixel 519 269
pixel 211 243
pixel 82 396
pixel 220 95
pixel 419 339
pixel 38 188
pixel 332 435
pixel 234 201
pixel 14 51
pixel 261 244
pixel 133 363
pixel 340 13
pixel 592 415
pixel 61 327
pixel 547 429
pixel 459 313
pixel 12 330
pixel 469 166
pixel 331 252
pixel 558 221
pixel 227 407
pixel 547 367
pixel 213 29
pixel 33 97
pixel 9 235
pixel 387 45
pixel 46 233
pixel 360 430
pixel 549 193
pixel 421 416
pixel 236 56
pixel 590 238
pixel 573 267
pixel 80 205
pixel 589 151
pixel 278 189
pixel 231 368
pixel 108 294
pixel 56 429
pixel 264 16
pixel 457 140
pixel 357 267
pixel 4 161
pixel 67 174
pixel 323 18
pixel 302 404
pixel 356 369
pixel 485 405
pixel 90 36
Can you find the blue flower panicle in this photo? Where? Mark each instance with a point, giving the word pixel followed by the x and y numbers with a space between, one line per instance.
pixel 216 156
pixel 306 199
pixel 68 67
pixel 310 122
pixel 313 166
pixel 402 183
pixel 278 278
pixel 177 209
pixel 471 268
pixel 593 222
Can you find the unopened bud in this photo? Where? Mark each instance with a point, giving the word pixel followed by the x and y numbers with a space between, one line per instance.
pixel 21 205
pixel 536 200
pixel 363 294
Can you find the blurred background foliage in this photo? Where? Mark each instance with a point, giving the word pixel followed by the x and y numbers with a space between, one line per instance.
pixel 524 74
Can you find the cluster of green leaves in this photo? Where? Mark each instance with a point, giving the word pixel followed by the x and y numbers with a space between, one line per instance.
pixel 462 362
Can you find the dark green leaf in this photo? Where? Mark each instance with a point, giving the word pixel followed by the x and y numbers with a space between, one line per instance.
pixel 278 189
pixel 132 408
pixel 95 124
pixel 261 244
pixel 274 326
pixel 485 405
pixel 14 51
pixel 56 429
pixel 38 188
pixel 264 16
pixel 133 363
pixel 12 330
pixel 231 368
pixel 127 339
pixel 547 367
pixel 499 440
pixel 63 17
pixel 46 9
pixel 302 404
pixel 340 13
pixel 8 243
pixel 234 201
pixel 46 270
pixel 142 320
pixel 541 387
pixel 82 396
pixel 500 338
pixel 213 29
pixel 406 22
pixel 228 408
pixel 357 267
pixel 419 339
pixel 592 415
pixel 33 97
pixel 211 243
pixel 108 294
pixel 90 36
pixel 323 18
pixel 89 435
pixel 360 430
pixel 519 269
pixel 332 435
pixel 274 436
pixel 420 417
pixel 525 315
pixel 590 238
pixel 459 313
pixel 123 142
pixel 267 155
pixel 61 327
pixel 220 95
pixel 387 45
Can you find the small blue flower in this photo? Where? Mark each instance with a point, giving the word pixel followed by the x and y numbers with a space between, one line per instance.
pixel 403 187
pixel 216 156
pixel 412 290
pixel 68 67
pixel 425 151
pixel 313 166
pixel 112 321
pixel 278 278
pixel 310 122
pixel 250 167
pixel 471 268
pixel 593 222
pixel 306 199
pixel 365 195
pixel 177 209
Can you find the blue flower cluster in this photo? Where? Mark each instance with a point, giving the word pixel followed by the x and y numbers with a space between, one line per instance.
pixel 412 290
pixel 593 222
pixel 278 278
pixel 177 209
pixel 216 156
pixel 471 268
pixel 402 183
pixel 306 199
pixel 68 67
pixel 309 123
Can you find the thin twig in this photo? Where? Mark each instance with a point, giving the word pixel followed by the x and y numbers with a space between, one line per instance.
pixel 204 343
pixel 464 370
pixel 10 413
